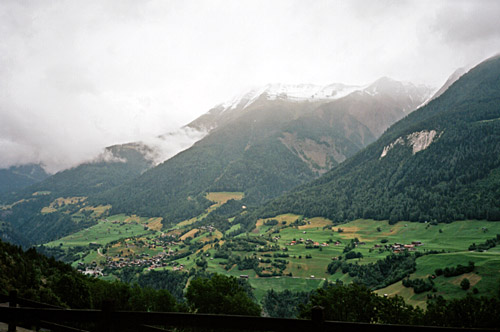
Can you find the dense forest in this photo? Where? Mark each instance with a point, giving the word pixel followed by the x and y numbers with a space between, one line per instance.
pixel 17 177
pixel 32 226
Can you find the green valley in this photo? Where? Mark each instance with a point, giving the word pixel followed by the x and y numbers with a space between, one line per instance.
pixel 286 251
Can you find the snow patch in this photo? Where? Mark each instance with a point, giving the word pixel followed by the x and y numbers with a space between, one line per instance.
pixel 418 141
pixel 292 92
pixel 301 92
pixel 314 92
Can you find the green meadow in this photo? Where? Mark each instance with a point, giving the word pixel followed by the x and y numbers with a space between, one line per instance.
pixel 450 240
pixel 106 231
pixel 295 284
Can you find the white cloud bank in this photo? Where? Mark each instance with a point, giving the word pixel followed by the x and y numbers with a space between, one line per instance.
pixel 76 76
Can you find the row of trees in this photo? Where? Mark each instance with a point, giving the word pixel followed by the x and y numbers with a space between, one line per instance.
pixel 488 244
pixel 380 273
pixel 455 271
pixel 356 303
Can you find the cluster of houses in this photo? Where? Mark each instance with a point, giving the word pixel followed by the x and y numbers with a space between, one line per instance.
pixel 400 247
pixel 91 271
pixel 208 228
pixel 396 247
pixel 178 267
pixel 163 242
pixel 309 242
pixel 143 260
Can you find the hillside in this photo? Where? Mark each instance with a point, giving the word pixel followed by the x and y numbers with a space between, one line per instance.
pixel 265 143
pixel 8 234
pixel 452 79
pixel 42 212
pixel 118 164
pixel 17 177
pixel 294 253
pixel 440 163
pixel 45 280
pixel 42 279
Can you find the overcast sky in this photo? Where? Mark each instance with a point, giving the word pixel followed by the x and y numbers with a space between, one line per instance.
pixel 76 76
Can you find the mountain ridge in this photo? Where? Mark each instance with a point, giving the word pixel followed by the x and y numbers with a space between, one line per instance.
pixel 262 149
pixel 300 93
pixel 17 177
pixel 435 183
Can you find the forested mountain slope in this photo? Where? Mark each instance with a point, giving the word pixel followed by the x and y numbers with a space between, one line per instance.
pixel 118 164
pixel 17 177
pixel 264 145
pixel 39 213
pixel 441 162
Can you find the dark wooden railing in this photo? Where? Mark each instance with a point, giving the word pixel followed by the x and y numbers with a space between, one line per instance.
pixel 36 315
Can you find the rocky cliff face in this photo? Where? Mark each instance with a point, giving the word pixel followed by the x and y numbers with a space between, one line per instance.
pixel 418 141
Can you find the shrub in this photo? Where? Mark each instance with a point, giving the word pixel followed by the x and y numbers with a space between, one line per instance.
pixel 465 284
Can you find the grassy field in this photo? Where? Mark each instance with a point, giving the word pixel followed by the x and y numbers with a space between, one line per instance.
pixel 219 198
pixel 454 239
pixel 97 211
pixel 10 206
pixel 233 228
pixel 61 202
pixel 222 197
pixel 485 277
pixel 111 229
pixel 262 285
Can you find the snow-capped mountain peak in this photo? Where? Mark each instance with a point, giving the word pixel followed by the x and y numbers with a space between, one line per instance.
pixel 297 93
pixel 291 92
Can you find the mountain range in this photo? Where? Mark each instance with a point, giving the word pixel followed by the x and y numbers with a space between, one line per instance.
pixel 262 143
pixel 439 164
pixel 337 151
pixel 267 142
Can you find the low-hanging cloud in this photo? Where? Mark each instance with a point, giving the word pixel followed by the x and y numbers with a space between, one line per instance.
pixel 157 149
pixel 65 93
pixel 77 76
pixel 470 26
pixel 464 22
pixel 166 146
